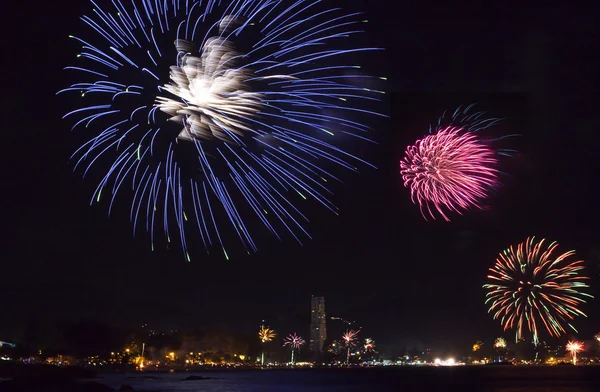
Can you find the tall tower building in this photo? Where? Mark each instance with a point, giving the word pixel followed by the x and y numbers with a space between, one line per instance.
pixel 318 324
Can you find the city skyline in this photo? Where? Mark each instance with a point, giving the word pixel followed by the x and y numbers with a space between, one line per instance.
pixel 377 261
pixel 43 335
pixel 266 348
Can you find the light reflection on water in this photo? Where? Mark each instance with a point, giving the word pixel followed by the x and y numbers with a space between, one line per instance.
pixel 465 379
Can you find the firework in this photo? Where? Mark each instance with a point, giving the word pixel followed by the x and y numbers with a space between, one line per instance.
pixel 265 335
pixel 597 337
pixel 349 339
pixel 335 347
pixel 295 342
pixel 533 286
pixel 213 110
pixel 500 344
pixel 453 168
pixel 369 344
pixel 573 348
pixel 477 346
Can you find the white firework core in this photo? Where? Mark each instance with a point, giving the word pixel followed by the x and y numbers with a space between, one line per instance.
pixel 211 98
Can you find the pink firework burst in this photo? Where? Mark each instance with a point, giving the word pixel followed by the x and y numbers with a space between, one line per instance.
pixel 450 170
pixel 349 337
pixel 294 341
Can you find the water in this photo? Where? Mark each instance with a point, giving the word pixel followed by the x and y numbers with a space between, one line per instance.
pixel 464 379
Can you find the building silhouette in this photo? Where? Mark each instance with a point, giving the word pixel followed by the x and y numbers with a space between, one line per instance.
pixel 318 324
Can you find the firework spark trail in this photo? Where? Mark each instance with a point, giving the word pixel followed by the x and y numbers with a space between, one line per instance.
pixel 453 168
pixel 531 286
pixel 252 118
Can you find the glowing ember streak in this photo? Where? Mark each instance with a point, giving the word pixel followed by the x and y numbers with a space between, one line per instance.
pixel 531 285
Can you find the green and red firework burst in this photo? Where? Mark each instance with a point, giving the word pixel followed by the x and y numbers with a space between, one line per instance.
pixel 533 286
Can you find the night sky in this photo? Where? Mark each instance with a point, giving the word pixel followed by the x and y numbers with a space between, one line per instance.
pixel 379 263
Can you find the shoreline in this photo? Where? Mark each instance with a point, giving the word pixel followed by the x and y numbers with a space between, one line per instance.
pixel 15 377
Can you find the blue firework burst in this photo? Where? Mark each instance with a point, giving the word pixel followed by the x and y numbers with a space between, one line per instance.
pixel 218 109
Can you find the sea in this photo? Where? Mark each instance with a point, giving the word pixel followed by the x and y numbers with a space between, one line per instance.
pixel 404 379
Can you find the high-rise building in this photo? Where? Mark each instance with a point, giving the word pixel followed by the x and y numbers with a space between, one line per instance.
pixel 318 324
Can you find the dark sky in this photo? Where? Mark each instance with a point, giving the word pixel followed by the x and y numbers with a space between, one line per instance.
pixel 379 262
